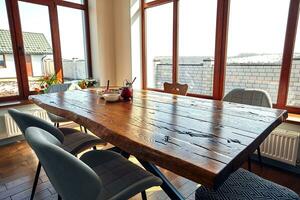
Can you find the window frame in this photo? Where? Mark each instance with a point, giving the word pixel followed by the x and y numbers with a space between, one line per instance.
pixel 18 44
pixel 221 39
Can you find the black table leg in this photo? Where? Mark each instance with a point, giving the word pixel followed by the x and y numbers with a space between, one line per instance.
pixel 167 187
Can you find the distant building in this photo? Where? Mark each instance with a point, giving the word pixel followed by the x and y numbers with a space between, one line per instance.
pixel 37 49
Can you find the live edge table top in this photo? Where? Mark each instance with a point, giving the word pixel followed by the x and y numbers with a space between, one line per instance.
pixel 200 139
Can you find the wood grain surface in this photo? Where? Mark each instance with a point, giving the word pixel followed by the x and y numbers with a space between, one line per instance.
pixel 200 139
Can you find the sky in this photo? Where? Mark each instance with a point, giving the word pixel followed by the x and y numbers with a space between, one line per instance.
pixel 35 18
pixel 255 26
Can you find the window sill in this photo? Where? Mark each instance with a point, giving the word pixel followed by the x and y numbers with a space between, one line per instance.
pixel 293 119
pixel 14 103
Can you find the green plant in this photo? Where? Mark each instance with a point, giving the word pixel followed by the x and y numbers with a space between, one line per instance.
pixel 45 82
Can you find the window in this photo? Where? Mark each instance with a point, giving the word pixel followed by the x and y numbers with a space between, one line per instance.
pixel 8 75
pixel 197 27
pixel 37 42
pixel 73 49
pixel 48 43
pixel 2 62
pixel 255 44
pixel 253 34
pixel 159 45
pixel 294 85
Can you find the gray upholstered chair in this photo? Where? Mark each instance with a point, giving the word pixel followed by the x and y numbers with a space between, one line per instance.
pixel 72 140
pixel 97 175
pixel 176 88
pixel 61 88
pixel 252 97
pixel 245 185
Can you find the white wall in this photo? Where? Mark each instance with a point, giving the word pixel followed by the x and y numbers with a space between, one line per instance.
pixel 122 40
pixel 110 40
pixel 10 70
pixel 37 65
pixel 102 40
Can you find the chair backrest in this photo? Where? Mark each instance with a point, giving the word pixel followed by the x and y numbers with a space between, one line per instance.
pixel 71 178
pixel 250 97
pixel 62 87
pixel 25 120
pixel 177 88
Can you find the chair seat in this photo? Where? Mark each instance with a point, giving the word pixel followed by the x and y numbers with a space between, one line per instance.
pixel 121 179
pixel 76 142
pixel 245 185
pixel 57 119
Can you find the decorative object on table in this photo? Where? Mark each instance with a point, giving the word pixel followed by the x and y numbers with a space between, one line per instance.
pixel 127 91
pixel 111 97
pixel 87 83
pixel 45 82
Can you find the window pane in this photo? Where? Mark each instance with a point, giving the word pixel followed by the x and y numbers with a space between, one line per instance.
pixel 255 44
pixel 159 32
pixel 75 1
pixel 73 49
pixel 8 80
pixel 37 42
pixel 197 27
pixel 294 87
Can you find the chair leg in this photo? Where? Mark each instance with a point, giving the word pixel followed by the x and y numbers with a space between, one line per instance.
pixel 94 147
pixel 259 156
pixel 59 197
pixel 36 179
pixel 57 125
pixel 249 163
pixel 85 130
pixel 144 195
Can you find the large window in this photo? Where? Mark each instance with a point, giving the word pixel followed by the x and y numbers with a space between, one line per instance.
pixel 255 44
pixel 41 39
pixel 73 43
pixel 159 45
pixel 197 27
pixel 217 45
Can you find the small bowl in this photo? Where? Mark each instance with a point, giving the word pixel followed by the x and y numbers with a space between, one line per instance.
pixel 111 97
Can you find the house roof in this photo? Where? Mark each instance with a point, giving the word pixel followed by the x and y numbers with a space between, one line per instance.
pixel 35 43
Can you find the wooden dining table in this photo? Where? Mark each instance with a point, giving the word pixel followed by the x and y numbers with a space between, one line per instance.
pixel 200 139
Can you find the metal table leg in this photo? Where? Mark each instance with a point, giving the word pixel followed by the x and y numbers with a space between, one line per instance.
pixel 167 187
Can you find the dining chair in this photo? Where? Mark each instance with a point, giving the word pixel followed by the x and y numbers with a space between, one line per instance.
pixel 72 140
pixel 176 88
pixel 61 88
pixel 245 185
pixel 252 97
pixel 96 175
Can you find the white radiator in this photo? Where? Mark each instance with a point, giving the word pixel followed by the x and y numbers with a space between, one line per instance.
pixel 281 145
pixel 11 126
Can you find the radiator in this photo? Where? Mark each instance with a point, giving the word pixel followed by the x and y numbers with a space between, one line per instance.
pixel 11 126
pixel 281 145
